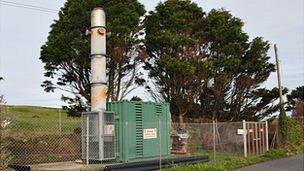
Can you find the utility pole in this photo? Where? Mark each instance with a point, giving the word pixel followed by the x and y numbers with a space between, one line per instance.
pixel 279 78
pixel 282 115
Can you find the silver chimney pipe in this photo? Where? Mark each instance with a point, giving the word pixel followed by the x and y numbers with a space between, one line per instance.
pixel 93 121
pixel 98 60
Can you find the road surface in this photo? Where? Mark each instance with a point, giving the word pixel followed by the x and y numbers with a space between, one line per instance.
pixel 294 163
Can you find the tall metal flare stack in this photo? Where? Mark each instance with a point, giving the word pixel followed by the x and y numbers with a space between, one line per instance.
pixel 93 138
pixel 98 60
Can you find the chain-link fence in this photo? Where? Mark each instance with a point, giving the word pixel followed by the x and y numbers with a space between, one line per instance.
pixel 218 140
pixel 35 140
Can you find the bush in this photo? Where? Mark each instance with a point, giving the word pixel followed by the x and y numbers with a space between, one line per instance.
pixel 300 149
pixel 294 132
pixel 200 167
pixel 275 154
pixel 291 149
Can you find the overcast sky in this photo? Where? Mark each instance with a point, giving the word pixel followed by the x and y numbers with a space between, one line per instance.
pixel 23 31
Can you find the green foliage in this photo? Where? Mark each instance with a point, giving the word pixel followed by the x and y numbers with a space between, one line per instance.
pixel 136 98
pixel 232 163
pixel 294 132
pixel 275 153
pixel 295 96
pixel 265 100
pixel 295 103
pixel 205 65
pixel 229 164
pixel 202 63
pixel 200 167
pixel 300 148
pixel 283 128
pixel 173 37
pixel 241 162
pixel 75 105
pixel 66 53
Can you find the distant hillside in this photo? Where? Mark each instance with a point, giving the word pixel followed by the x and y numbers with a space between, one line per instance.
pixel 26 112
pixel 41 119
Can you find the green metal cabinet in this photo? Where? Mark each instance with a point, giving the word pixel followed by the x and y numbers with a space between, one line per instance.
pixel 142 130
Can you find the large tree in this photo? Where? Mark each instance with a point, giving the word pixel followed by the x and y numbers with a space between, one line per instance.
pixel 66 53
pixel 174 44
pixel 205 65
pixel 239 67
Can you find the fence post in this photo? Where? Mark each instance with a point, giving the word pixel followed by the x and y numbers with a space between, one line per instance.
pixel 244 138
pixel 87 140
pixel 60 122
pixel 214 138
pixel 160 150
pixel 266 132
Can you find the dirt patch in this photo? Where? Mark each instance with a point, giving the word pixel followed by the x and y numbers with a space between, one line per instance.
pixel 45 149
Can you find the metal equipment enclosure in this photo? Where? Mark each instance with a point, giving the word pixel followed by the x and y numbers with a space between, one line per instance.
pixel 98 136
pixel 142 130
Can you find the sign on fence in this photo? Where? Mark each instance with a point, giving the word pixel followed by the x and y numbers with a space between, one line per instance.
pixel 240 131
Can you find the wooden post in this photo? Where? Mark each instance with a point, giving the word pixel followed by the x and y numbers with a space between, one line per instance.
pixel 279 77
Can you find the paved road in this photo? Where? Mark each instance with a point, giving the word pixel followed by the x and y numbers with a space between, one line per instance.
pixel 294 163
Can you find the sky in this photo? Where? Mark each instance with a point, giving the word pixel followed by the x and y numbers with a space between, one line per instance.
pixel 23 31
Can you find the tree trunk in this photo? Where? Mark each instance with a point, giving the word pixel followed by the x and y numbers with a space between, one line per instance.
pixel 181 121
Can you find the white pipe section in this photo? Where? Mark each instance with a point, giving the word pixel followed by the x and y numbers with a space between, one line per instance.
pixel 245 138
pixel 266 132
pixel 98 73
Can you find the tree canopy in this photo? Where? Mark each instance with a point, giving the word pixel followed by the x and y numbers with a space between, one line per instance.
pixel 295 101
pixel 205 65
pixel 296 95
pixel 66 53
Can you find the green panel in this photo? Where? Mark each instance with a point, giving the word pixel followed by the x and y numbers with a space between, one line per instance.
pixel 132 118
pixel 151 146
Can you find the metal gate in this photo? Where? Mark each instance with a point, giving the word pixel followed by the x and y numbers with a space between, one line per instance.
pixel 255 138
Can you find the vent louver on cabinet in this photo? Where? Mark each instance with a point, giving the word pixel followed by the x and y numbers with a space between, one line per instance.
pixel 139 129
pixel 158 110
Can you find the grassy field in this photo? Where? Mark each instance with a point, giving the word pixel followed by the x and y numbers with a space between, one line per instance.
pixel 33 119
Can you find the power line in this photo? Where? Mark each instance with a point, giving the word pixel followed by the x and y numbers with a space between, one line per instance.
pixel 25 6
pixel 29 5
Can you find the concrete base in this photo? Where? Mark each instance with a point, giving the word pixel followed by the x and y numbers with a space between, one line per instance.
pixel 66 166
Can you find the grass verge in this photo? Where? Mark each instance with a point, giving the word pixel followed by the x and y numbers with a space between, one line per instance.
pixel 237 162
